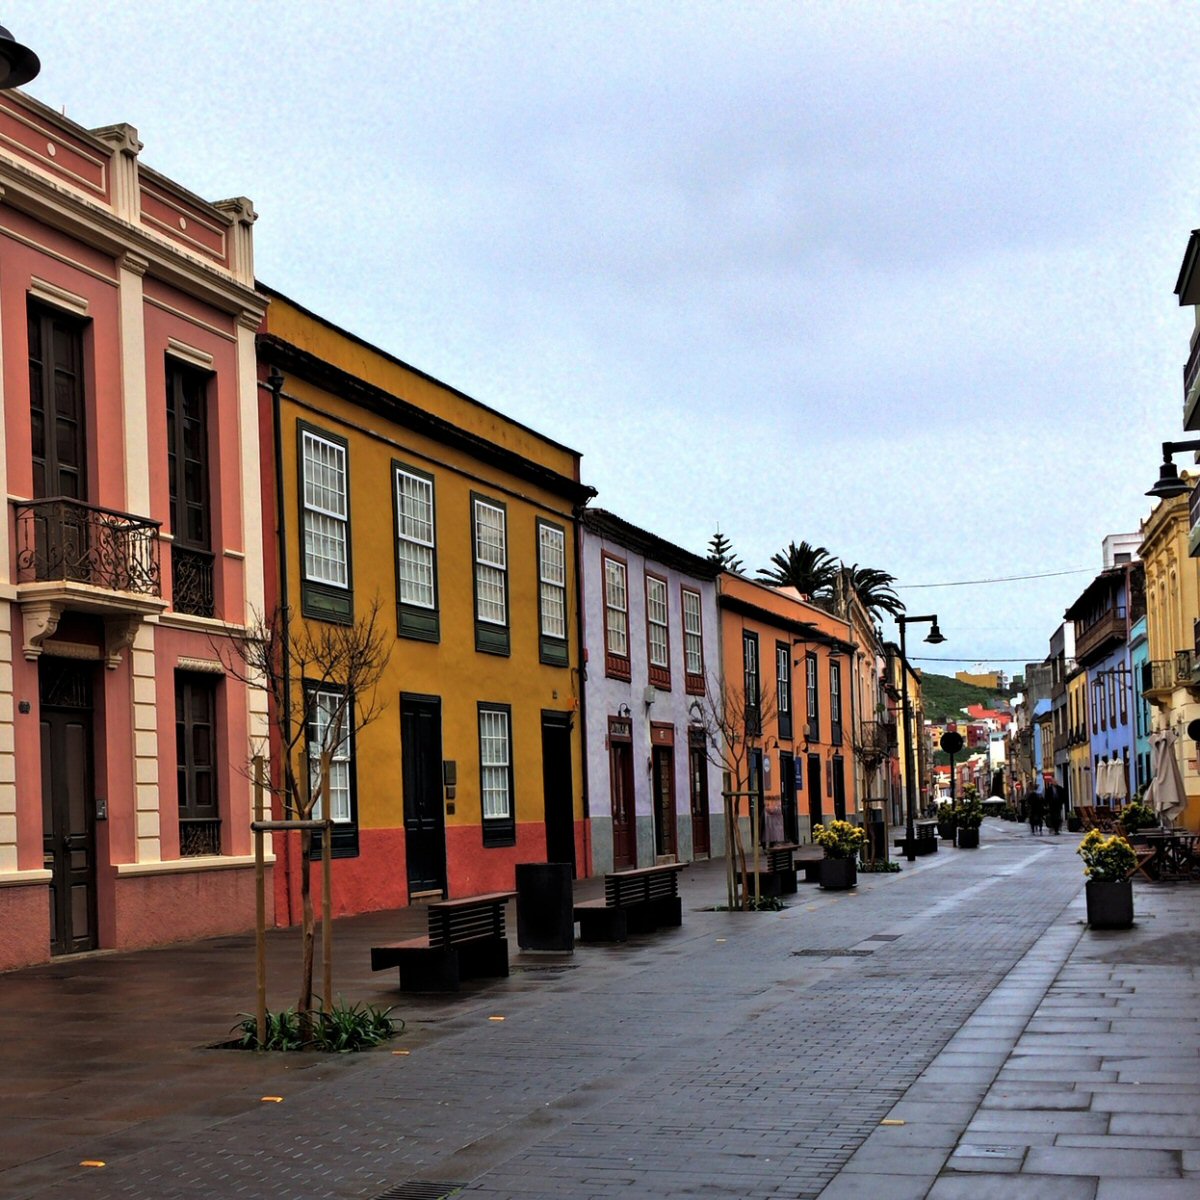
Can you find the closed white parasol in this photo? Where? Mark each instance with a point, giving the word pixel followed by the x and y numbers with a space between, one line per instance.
pixel 1165 793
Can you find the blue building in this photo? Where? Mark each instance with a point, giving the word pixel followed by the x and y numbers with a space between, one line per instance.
pixel 1139 662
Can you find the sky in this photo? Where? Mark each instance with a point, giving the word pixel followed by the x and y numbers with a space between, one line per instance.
pixel 895 279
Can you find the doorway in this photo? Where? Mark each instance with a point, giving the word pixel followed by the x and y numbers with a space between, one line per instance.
pixel 557 788
pixel 424 811
pixel 698 793
pixel 787 796
pixel 663 771
pixel 68 803
pixel 620 770
pixel 839 787
pixel 814 792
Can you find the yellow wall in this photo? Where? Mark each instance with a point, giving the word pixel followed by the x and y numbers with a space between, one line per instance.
pixel 451 669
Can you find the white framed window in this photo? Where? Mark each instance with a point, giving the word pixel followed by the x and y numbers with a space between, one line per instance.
pixel 324 734
pixel 693 641
pixel 415 539
pixel 489 539
pixel 616 616
pixel 552 581
pixel 496 774
pixel 326 509
pixel 658 645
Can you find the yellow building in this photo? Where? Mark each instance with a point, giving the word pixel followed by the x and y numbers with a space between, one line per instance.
pixel 1172 607
pixel 1079 746
pixel 399 490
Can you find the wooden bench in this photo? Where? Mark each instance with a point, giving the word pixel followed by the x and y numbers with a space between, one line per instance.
pixel 466 940
pixel 776 870
pixel 635 901
pixel 925 838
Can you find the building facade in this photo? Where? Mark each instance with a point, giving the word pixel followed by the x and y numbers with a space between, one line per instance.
pixel 653 654
pixel 131 552
pixel 402 495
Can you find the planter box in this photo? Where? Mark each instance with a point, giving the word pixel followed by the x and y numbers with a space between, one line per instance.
pixel 838 874
pixel 1074 823
pixel 946 829
pixel 967 839
pixel 1110 905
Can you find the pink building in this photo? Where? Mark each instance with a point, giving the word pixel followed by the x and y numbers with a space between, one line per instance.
pixel 132 544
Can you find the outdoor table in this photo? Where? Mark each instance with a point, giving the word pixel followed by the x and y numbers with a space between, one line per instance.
pixel 1174 854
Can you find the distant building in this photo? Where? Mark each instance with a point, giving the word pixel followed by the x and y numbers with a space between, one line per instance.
pixel 992 681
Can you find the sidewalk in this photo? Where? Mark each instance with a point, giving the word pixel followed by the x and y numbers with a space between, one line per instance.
pixel 744 1055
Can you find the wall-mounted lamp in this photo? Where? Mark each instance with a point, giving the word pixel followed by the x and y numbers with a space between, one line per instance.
pixel 623 710
pixel 1169 484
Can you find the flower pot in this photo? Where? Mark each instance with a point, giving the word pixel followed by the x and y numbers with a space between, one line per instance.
pixel 1109 905
pixel 838 874
pixel 946 829
pixel 967 839
pixel 1074 823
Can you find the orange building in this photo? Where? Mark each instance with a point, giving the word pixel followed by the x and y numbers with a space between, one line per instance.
pixel 786 671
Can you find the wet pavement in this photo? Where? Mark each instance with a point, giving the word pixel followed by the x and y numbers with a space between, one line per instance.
pixel 953 1029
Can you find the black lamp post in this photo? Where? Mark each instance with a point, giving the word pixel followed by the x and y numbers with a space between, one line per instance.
pixel 1169 484
pixel 935 638
pixel 18 64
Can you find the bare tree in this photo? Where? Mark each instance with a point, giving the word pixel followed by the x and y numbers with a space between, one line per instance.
pixel 733 723
pixel 321 680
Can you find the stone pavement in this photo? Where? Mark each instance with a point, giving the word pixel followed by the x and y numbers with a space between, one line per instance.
pixel 951 1029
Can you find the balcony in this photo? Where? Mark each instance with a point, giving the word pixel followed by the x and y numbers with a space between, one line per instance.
pixel 1191 388
pixel 1106 630
pixel 1168 675
pixel 877 740
pixel 83 558
pixel 192 581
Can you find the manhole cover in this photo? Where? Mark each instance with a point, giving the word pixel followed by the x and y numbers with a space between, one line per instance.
pixel 420 1189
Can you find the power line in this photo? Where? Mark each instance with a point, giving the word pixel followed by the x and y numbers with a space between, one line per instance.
pixel 926 658
pixel 902 587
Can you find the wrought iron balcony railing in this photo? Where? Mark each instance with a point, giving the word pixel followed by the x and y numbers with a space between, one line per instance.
pixel 60 539
pixel 1168 674
pixel 199 838
pixel 192 581
pixel 878 738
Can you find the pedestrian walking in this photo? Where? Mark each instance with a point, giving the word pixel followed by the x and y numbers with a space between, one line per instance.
pixel 1055 799
pixel 1035 806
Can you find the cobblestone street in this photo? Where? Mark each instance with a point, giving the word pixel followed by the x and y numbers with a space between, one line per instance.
pixel 963 1002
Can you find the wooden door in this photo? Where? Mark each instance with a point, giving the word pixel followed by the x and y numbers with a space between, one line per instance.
pixel 839 787
pixel 424 811
pixel 557 788
pixel 624 830
pixel 68 804
pixel 787 796
pixel 698 793
pixel 663 772
pixel 814 791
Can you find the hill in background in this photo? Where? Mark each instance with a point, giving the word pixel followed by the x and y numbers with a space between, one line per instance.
pixel 944 698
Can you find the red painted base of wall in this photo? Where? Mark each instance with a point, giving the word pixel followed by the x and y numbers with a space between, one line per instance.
pixel 153 910
pixel 378 878
pixel 25 919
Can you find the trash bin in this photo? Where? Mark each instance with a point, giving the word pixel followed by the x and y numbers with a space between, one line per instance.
pixel 545 912
pixel 877 832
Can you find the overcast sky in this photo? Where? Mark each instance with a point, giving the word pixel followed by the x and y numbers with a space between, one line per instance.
pixel 892 278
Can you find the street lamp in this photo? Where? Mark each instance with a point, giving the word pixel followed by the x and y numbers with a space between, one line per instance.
pixel 18 64
pixel 934 638
pixel 1169 484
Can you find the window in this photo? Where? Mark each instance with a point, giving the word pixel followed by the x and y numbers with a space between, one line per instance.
pixel 1111 684
pixel 835 702
pixel 693 644
pixel 812 709
pixel 616 618
pixel 187 475
pixel 325 524
pixel 1097 708
pixel 783 685
pixel 750 681
pixel 330 728
pixel 489 531
pixel 496 775
pixel 57 405
pixel 658 644
pixel 195 764
pixel 416 555
pixel 552 594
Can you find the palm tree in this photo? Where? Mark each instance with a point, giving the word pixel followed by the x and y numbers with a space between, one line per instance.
pixel 874 590
pixel 811 570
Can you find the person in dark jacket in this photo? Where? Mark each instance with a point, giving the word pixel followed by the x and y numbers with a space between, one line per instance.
pixel 1035 806
pixel 1054 806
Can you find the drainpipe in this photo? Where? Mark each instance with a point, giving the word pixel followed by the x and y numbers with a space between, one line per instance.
pixel 580 631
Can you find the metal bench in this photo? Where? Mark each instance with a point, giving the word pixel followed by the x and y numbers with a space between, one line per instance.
pixel 635 901
pixel 466 940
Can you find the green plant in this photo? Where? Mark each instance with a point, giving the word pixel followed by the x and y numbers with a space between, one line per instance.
pixel 1106 859
pixel 341 1029
pixel 839 839
pixel 879 867
pixel 969 813
pixel 1136 815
